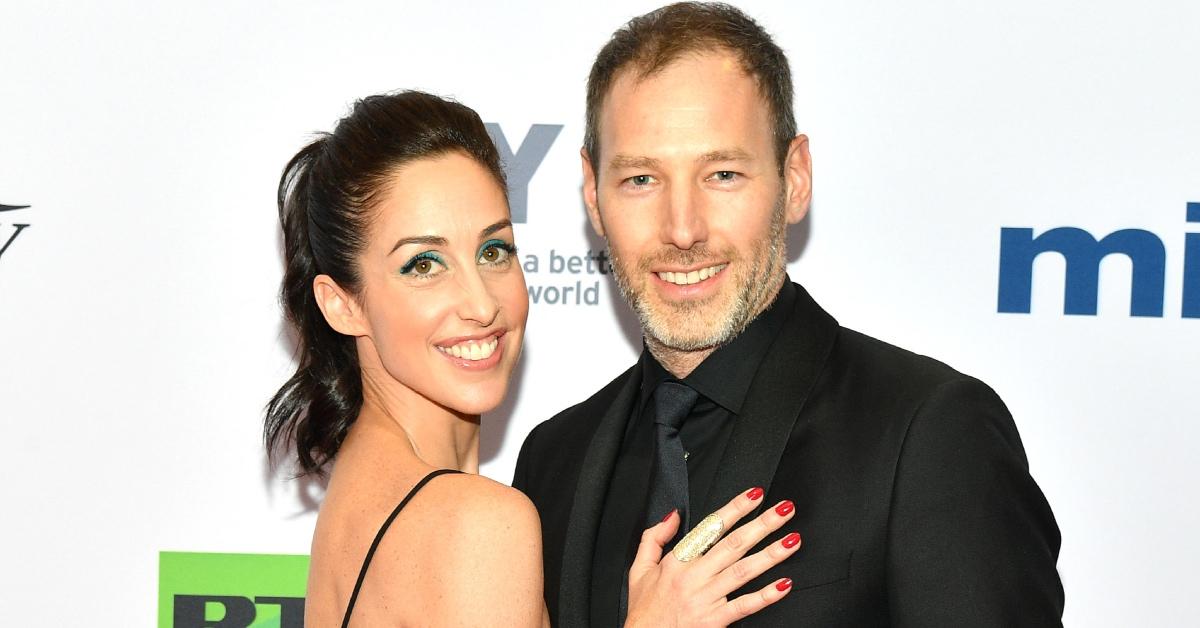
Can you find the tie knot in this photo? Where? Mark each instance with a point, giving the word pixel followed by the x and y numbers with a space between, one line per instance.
pixel 672 403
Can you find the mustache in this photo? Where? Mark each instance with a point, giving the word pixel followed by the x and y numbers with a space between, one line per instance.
pixel 671 256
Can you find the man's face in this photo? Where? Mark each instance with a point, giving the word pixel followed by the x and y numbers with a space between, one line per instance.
pixel 688 193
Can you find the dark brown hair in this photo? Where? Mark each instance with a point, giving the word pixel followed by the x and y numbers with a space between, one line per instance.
pixel 326 197
pixel 649 43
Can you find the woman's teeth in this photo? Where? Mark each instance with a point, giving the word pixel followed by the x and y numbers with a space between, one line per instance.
pixel 471 350
pixel 696 276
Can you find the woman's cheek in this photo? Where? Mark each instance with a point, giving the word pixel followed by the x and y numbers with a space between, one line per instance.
pixel 519 298
pixel 412 324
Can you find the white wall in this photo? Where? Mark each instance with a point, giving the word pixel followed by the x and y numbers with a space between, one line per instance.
pixel 140 334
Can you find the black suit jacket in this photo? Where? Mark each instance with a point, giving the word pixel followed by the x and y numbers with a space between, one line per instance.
pixel 912 490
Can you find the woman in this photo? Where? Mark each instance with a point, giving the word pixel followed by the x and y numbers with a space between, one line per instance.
pixel 403 283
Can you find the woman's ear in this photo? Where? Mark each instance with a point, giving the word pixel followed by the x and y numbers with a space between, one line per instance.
pixel 341 311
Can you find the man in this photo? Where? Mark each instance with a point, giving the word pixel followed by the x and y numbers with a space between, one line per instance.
pixel 911 487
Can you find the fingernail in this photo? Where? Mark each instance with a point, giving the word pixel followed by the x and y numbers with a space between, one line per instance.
pixel 791 540
pixel 785 508
pixel 669 515
pixel 783 585
pixel 755 493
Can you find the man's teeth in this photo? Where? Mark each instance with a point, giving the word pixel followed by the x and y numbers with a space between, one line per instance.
pixel 471 350
pixel 696 276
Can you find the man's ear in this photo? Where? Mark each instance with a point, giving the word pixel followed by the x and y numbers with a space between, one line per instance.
pixel 341 311
pixel 590 193
pixel 797 180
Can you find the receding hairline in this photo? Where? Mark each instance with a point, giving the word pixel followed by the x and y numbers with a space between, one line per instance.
pixel 640 69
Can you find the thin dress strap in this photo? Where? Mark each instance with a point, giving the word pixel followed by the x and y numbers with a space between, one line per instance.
pixel 379 537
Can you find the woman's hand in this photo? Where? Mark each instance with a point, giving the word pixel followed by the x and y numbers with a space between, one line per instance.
pixel 665 592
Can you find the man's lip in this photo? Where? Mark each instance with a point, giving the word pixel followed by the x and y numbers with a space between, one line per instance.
pixel 687 269
pixel 450 342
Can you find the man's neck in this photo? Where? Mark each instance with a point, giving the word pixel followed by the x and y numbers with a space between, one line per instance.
pixel 678 363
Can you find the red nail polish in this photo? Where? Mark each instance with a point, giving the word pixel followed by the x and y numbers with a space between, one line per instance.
pixel 791 540
pixel 785 508
pixel 669 515
pixel 755 493
pixel 783 585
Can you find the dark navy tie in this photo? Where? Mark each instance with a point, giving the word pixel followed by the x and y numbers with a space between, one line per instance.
pixel 669 487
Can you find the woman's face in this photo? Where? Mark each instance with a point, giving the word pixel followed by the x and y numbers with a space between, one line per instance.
pixel 444 300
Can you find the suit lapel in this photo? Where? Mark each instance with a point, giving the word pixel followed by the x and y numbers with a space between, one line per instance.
pixel 777 395
pixel 575 586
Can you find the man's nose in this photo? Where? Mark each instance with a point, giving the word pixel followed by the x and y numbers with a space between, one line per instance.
pixel 683 223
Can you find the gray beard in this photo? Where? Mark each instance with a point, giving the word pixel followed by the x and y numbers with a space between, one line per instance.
pixel 752 295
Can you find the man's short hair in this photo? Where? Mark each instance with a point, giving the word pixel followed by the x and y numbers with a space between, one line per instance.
pixel 649 43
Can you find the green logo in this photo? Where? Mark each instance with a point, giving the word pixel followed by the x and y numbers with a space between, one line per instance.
pixel 198 590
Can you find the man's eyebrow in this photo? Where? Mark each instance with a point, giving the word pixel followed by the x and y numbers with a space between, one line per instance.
pixel 630 161
pixel 493 228
pixel 434 240
pixel 727 154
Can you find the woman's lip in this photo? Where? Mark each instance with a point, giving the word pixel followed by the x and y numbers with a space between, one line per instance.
pixel 478 365
pixel 450 342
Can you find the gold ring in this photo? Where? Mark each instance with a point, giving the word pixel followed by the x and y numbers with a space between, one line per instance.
pixel 699 539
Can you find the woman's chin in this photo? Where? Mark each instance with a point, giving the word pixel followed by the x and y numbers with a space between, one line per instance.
pixel 475 404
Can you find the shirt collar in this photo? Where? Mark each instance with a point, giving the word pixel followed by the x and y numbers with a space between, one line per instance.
pixel 726 374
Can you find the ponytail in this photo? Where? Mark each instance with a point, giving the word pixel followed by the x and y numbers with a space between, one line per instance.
pixel 316 406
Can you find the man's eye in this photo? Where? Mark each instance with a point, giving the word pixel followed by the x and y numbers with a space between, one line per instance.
pixel 641 180
pixel 725 175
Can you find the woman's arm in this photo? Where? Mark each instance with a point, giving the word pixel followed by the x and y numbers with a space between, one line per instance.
pixel 490 571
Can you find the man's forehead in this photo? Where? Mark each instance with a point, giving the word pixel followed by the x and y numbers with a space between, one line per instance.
pixel 704 108
pixel 697 84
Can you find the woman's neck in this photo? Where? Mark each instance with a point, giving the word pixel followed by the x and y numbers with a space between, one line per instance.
pixel 434 434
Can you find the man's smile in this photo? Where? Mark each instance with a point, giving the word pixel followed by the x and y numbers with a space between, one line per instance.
pixel 681 278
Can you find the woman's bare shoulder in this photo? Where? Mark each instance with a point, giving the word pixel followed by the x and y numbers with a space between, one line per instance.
pixel 483 548
pixel 473 504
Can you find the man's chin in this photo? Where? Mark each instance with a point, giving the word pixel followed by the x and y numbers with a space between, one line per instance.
pixel 684 333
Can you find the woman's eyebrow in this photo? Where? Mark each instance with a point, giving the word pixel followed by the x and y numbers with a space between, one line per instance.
pixel 427 239
pixel 493 228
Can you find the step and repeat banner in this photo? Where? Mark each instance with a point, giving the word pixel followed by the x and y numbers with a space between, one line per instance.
pixel 1011 187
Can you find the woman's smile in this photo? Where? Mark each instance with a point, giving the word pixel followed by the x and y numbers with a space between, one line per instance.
pixel 474 354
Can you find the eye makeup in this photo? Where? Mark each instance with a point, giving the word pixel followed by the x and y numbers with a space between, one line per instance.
pixel 425 257
pixel 498 244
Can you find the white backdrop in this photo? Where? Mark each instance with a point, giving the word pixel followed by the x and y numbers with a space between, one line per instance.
pixel 140 335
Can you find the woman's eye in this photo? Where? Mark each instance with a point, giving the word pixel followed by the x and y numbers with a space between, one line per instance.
pixel 495 252
pixel 423 265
